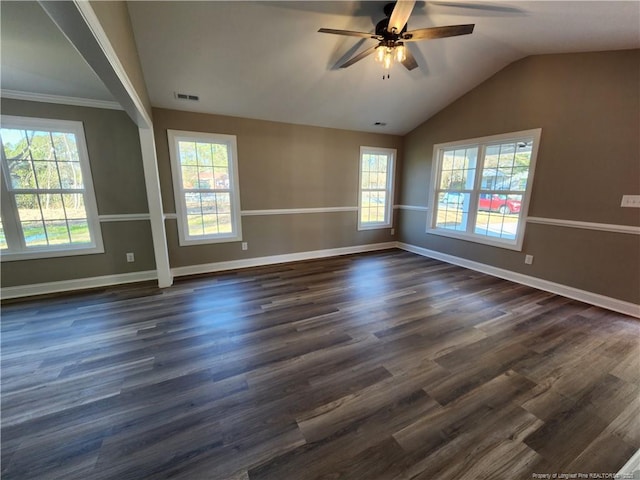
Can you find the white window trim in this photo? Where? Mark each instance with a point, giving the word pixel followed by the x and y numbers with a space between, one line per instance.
pixel 184 238
pixel 28 253
pixel 482 142
pixel 391 175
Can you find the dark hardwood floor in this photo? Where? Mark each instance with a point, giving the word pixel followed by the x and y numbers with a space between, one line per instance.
pixel 376 366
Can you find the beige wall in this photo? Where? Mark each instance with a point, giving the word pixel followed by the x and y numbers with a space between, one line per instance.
pixel 281 166
pixel 588 106
pixel 116 167
pixel 116 23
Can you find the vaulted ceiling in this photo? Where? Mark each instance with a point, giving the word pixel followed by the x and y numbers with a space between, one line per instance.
pixel 266 59
pixel 37 58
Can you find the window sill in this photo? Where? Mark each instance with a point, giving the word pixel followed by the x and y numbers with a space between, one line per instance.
pixel 6 256
pixel 183 242
pixel 509 245
pixel 374 226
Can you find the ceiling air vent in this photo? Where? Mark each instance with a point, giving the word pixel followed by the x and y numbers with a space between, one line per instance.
pixel 380 124
pixel 186 96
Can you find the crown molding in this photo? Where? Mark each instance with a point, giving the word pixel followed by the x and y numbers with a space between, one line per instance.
pixel 59 99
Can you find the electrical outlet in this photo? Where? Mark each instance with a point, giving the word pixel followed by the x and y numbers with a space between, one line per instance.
pixel 528 259
pixel 393 231
pixel 245 246
pixel 131 257
pixel 632 201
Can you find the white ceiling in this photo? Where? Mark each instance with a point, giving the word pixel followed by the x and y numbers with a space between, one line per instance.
pixel 266 60
pixel 38 58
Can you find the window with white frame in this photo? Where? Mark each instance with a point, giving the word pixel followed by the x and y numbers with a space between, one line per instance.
pixel 206 187
pixel 375 196
pixel 48 204
pixel 481 188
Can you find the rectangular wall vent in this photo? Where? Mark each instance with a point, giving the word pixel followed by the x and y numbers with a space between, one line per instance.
pixel 186 96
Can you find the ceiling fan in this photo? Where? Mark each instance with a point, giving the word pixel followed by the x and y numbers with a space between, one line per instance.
pixel 391 34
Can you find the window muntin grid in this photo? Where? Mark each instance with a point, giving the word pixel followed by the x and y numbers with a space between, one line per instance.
pixel 49 207
pixel 376 187
pixel 481 188
pixel 206 185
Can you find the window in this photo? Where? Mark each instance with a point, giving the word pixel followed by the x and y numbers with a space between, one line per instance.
pixel 205 181
pixel 481 188
pixel 48 204
pixel 375 198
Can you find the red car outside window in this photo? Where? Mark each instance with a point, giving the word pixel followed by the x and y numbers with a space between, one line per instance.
pixel 498 203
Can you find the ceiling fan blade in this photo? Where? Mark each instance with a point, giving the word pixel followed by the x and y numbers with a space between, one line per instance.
pixel 438 32
pixel 359 57
pixel 409 62
pixel 350 33
pixel 400 15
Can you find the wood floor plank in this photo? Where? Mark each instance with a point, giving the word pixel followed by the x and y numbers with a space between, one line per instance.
pixel 344 444
pixel 497 453
pixel 384 365
pixel 604 454
pixel 567 434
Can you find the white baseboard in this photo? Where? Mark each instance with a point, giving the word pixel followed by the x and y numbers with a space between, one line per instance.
pixel 76 284
pixel 596 299
pixel 107 280
pixel 603 301
pixel 273 259
pixel 631 469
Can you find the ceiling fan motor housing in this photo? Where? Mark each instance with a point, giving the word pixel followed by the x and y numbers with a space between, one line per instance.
pixel 381 30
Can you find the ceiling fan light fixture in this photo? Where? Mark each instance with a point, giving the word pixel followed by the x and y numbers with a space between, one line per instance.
pixel 386 54
pixel 401 54
pixel 388 59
